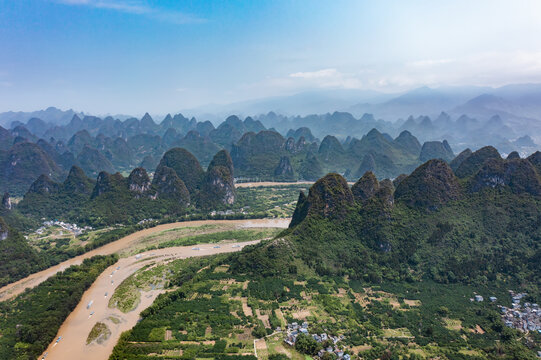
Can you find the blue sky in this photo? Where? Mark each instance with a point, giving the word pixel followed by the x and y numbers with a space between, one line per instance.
pixel 132 56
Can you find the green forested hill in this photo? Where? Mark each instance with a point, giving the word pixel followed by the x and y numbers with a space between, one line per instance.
pixel 17 258
pixel 179 183
pixel 432 226
pixel 257 152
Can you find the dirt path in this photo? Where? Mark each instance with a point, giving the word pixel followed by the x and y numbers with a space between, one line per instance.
pixel 9 291
pixel 75 329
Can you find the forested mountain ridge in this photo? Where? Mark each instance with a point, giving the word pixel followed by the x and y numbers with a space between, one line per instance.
pixel 428 225
pixel 113 198
pixel 257 153
pixel 461 130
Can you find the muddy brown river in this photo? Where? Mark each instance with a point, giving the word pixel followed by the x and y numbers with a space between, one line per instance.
pixel 9 291
pixel 93 306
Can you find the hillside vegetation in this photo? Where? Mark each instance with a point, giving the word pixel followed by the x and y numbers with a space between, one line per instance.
pixel 433 225
pixel 113 198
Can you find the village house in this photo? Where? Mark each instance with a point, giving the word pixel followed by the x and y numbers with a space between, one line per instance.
pixel 294 329
pixel 73 228
pixel 525 318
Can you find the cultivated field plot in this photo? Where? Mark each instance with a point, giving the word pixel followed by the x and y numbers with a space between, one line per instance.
pixel 214 312
pixel 269 201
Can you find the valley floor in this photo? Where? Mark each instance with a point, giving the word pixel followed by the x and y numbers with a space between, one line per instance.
pixel 274 183
pixel 271 183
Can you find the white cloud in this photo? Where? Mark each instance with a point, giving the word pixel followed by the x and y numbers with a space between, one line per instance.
pixel 136 7
pixel 324 73
pixel 430 62
pixel 326 78
pixel 488 68
pixel 482 69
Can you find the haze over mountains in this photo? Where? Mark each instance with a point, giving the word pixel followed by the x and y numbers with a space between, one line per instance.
pixel 513 101
pixel 383 133
pixel 518 105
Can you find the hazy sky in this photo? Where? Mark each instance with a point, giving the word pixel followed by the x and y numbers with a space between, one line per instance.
pixel 132 56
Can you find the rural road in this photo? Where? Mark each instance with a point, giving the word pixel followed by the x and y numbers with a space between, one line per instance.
pixel 10 291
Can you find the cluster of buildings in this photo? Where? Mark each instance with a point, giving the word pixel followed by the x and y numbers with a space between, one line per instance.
pixel 294 329
pixel 479 298
pixel 524 317
pixel 73 228
pixel 336 350
pixel 222 213
pixel 144 221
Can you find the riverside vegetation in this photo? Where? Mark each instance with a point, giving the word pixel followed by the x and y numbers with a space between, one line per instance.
pixel 20 257
pixel 30 322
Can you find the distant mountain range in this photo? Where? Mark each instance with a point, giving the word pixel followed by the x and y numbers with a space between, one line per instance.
pixel 460 131
pixel 519 107
pixel 304 103
pixel 258 153
pixel 50 115
pixel 517 100
pixel 273 146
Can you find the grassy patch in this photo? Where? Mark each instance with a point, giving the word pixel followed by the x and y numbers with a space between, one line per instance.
pixel 397 333
pixel 236 235
pixel 114 320
pixel 157 334
pixel 470 352
pixel 99 333
pixel 126 297
pixel 452 324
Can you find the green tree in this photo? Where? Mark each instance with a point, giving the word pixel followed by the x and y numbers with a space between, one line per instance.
pixel 306 345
